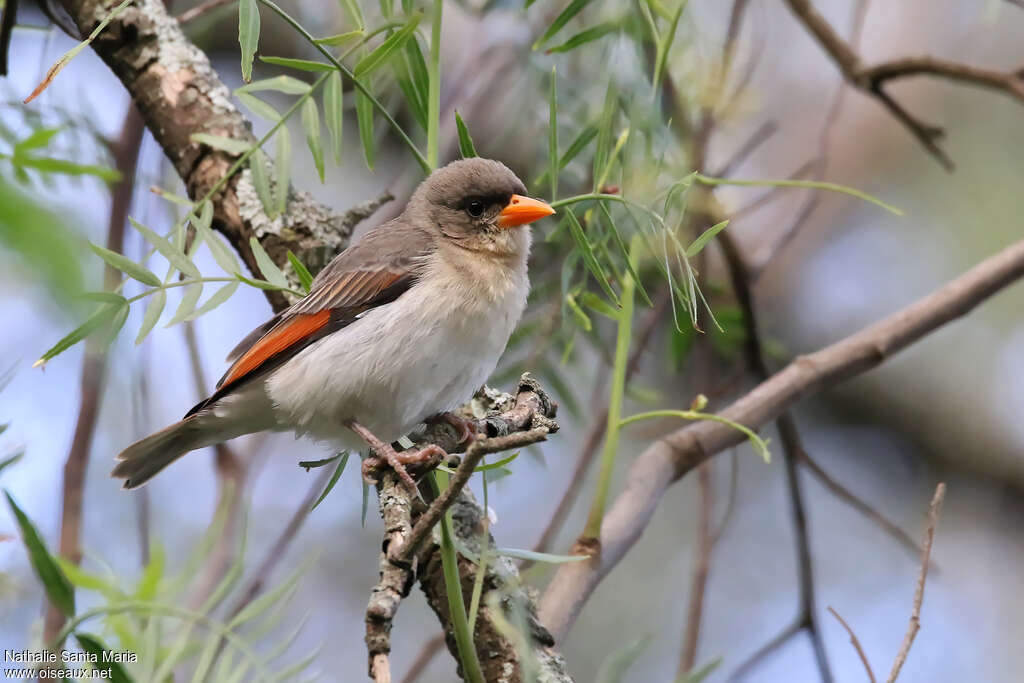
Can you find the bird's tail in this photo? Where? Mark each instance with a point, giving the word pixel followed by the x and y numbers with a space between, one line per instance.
pixel 144 459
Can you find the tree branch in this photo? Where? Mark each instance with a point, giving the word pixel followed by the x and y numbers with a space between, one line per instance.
pixel 872 80
pixel 668 459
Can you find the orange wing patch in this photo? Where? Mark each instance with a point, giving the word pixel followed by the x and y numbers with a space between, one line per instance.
pixel 282 337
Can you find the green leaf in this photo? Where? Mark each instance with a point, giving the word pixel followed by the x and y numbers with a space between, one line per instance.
pixel 702 673
pixel 261 181
pixel 261 284
pixel 300 271
pixel 617 238
pixel 300 64
pixel 152 315
pixel 271 273
pixel 38 138
pixel 589 258
pixel 100 317
pixel 704 238
pixel 383 51
pixel 334 113
pixel 58 589
pixel 665 44
pixel 604 133
pixel 283 165
pixel 364 116
pixel 496 465
pixel 150 579
pixel 341 38
pixel 94 646
pixel 333 480
pixel 188 304
pixel 215 300
pixel 105 298
pixel 48 165
pixel 573 8
pixel 248 34
pixel 466 146
pixel 586 36
pixel 419 74
pixel 259 107
pixel 400 67
pixel 534 556
pixel 222 254
pixel 310 464
pixel 598 305
pixel 575 147
pixel 174 256
pixel 10 460
pixel 581 318
pixel 289 85
pixel 226 144
pixel 311 126
pixel 553 134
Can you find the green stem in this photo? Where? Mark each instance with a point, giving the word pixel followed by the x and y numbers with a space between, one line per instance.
pixel 758 444
pixel 618 390
pixel 597 196
pixel 453 588
pixel 355 81
pixel 434 94
pixel 805 184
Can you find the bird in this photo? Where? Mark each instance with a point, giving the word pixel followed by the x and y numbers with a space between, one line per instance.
pixel 398 329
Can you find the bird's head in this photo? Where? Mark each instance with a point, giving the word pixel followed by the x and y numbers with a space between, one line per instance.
pixel 478 204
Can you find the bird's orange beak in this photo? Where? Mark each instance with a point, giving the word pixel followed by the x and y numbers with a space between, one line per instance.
pixel 521 210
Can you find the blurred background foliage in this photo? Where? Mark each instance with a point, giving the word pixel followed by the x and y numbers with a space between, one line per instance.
pixel 615 96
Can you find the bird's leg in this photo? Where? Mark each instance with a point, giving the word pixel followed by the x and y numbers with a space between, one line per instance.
pixel 464 427
pixel 385 454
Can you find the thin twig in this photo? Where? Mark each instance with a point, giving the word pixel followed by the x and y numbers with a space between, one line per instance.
pixel 94 363
pixel 199 10
pixel 422 661
pixel 926 551
pixel 699 578
pixel 856 645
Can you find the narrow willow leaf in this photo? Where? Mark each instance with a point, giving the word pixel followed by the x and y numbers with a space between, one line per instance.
pixel 172 197
pixel 704 238
pixel 419 74
pixel 117 321
pixel 598 305
pixel 383 51
pixel 553 134
pixel 401 70
pixel 283 166
pixel 189 300
pixel 10 460
pixel 261 181
pixel 58 589
pixel 62 166
pixel 153 310
pixel 260 284
pixel 215 300
pixel 333 480
pixel 222 253
pixel 248 34
pixel 261 604
pixel 126 265
pixel 289 85
pixel 259 107
pixel 578 144
pixel 573 8
pixel 604 133
pixel 97 319
pixel 151 575
pixel 175 256
pixel 586 36
pixel 466 146
pixel 496 465
pixel 581 318
pixel 364 116
pixel 334 113
pixel 310 464
pixel 356 12
pixel 305 278
pixel 73 52
pixel 229 145
pixel 624 251
pixel 311 126
pixel 37 139
pixel 300 64
pixel 271 273
pixel 702 673
pixel 589 258
pixel 665 44
pixel 104 298
pixel 539 557
pixel 341 38
pixel 112 670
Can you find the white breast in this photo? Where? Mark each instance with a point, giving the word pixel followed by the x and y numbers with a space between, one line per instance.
pixel 422 354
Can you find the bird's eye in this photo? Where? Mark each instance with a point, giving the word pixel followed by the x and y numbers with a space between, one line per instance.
pixel 475 208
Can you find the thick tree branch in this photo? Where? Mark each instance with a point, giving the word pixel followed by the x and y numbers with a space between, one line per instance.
pixel 872 79
pixel 668 459
pixel 179 94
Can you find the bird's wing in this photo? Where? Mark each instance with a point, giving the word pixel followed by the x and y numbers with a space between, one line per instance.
pixel 375 271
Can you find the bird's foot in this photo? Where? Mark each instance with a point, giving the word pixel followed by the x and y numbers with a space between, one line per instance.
pixel 465 428
pixel 386 456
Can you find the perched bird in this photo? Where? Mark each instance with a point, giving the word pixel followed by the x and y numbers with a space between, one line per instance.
pixel 398 329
